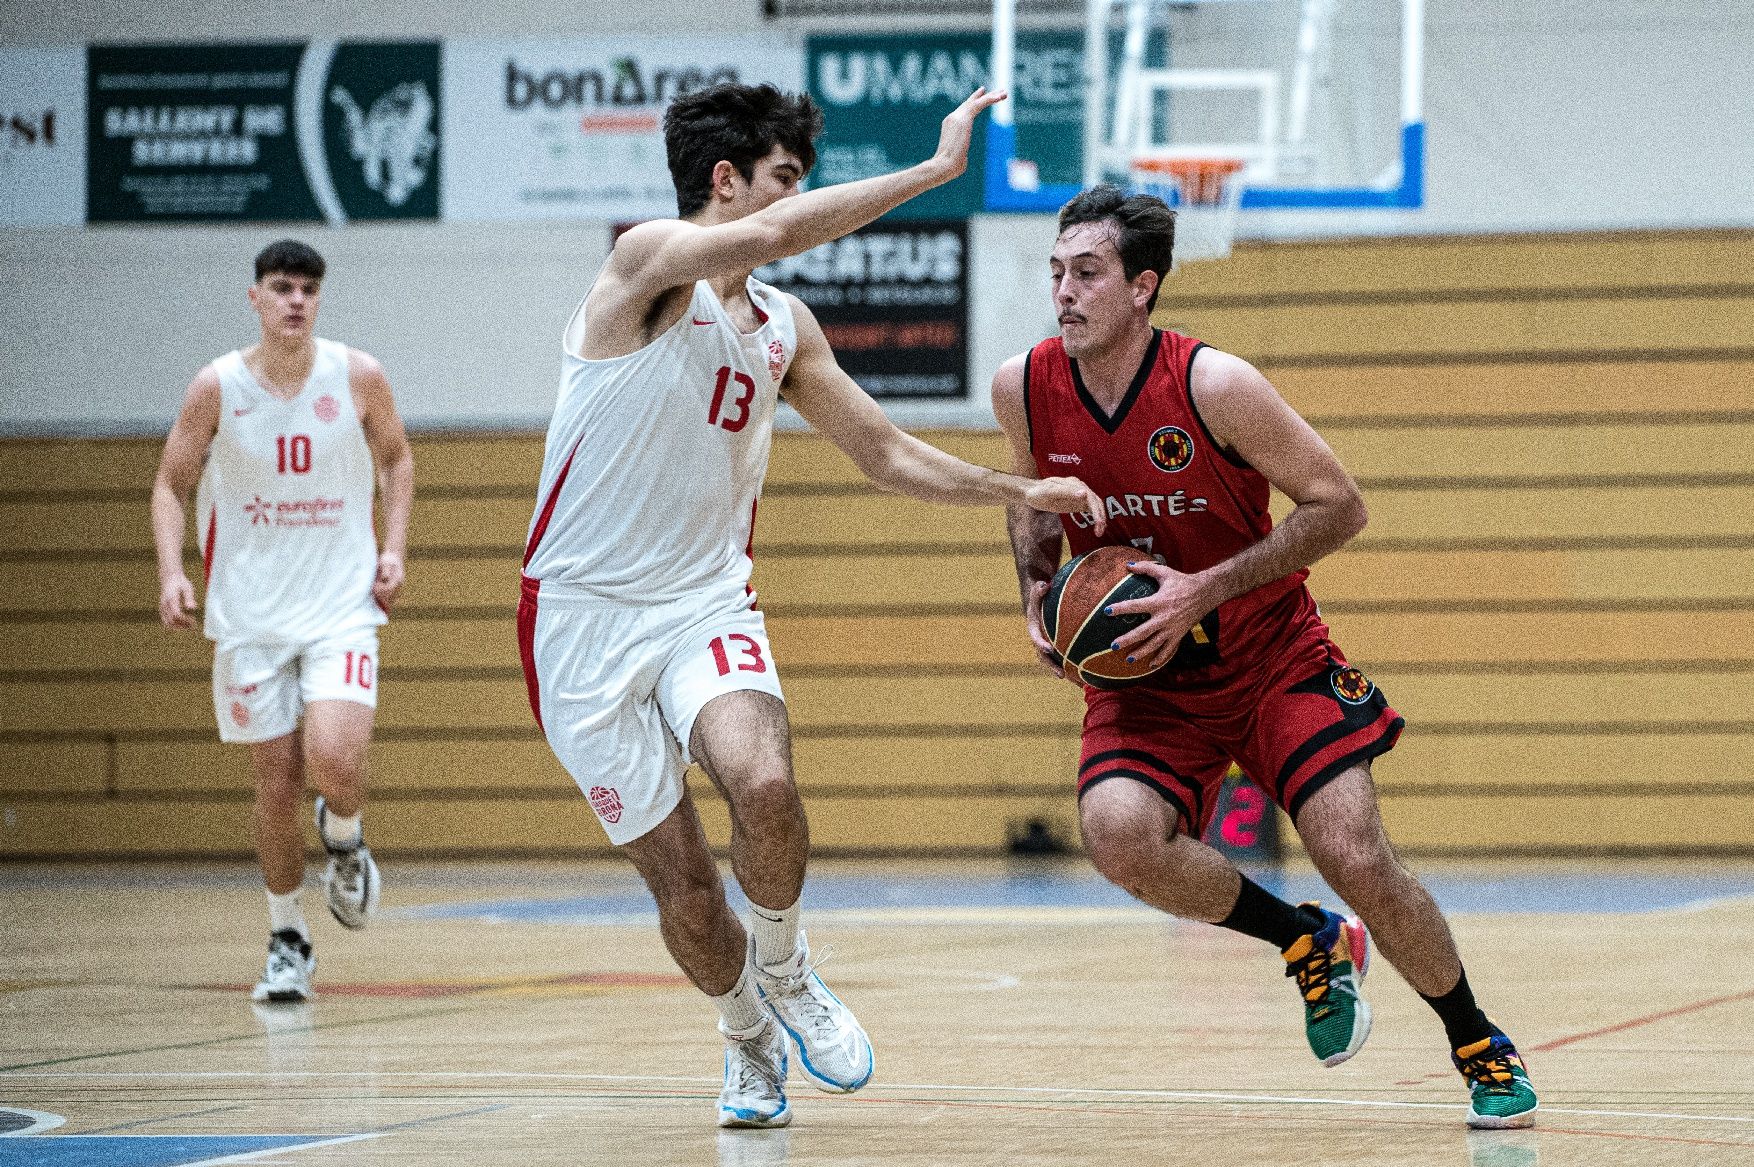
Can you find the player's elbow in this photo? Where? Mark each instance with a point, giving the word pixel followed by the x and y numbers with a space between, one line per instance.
pixel 1354 515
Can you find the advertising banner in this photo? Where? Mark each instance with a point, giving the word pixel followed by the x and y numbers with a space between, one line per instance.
pixel 572 129
pixel 251 132
pixel 42 136
pixel 883 98
pixel 893 301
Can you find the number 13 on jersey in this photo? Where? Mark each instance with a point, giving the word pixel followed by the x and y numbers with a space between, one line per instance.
pixel 733 415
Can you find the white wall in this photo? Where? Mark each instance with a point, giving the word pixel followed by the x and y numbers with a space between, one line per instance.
pixel 1543 114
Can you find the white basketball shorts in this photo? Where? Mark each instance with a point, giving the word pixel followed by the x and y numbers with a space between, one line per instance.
pixel 616 690
pixel 260 690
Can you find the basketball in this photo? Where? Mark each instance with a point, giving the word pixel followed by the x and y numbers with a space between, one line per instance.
pixel 1071 614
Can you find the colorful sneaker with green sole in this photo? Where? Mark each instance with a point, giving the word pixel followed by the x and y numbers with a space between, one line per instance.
pixel 1502 1097
pixel 1329 966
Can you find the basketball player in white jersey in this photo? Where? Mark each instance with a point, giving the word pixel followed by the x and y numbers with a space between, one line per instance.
pixel 294 431
pixel 641 641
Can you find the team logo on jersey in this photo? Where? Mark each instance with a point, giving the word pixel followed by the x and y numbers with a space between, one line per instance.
pixel 327 408
pixel 259 511
pixel 776 359
pixel 1171 449
pixel 1068 459
pixel 1351 686
pixel 606 802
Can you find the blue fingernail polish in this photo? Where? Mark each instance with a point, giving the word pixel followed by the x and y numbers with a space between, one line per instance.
pixel 1115 647
pixel 1108 611
pixel 1129 660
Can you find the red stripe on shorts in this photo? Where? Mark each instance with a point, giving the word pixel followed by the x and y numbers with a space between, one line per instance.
pixel 527 644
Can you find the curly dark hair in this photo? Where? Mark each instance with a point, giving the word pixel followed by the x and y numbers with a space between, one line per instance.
pixel 739 124
pixel 1144 228
pixel 291 257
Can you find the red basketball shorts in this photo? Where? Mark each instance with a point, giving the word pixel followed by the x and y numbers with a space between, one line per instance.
pixel 1292 719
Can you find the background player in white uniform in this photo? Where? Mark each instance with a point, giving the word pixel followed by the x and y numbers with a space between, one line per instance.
pixel 291 429
pixel 641 643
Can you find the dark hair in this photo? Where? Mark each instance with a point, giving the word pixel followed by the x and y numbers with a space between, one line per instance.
pixel 739 124
pixel 292 257
pixel 1144 228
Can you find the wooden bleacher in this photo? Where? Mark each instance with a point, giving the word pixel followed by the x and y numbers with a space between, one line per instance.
pixel 1555 436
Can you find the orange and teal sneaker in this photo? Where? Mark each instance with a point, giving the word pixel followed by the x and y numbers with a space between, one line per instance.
pixel 1329 966
pixel 1502 1098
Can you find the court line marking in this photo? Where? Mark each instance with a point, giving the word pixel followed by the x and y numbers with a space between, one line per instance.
pixel 257 1035
pixel 44 1122
pixel 108 1130
pixel 251 1156
pixel 1094 1091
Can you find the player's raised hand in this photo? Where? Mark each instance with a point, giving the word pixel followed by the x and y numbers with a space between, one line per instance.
pixel 1067 496
pixel 387 585
pixel 958 131
pixel 176 599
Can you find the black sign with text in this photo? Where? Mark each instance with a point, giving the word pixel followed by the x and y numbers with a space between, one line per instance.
pixel 892 299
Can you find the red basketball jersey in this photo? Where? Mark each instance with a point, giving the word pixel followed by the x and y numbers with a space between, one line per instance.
pixel 1170 489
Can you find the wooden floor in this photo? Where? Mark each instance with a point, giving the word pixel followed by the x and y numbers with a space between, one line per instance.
pixel 1023 1015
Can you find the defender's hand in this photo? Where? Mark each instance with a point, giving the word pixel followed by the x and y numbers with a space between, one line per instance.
pixel 388 583
pixel 958 129
pixel 1067 496
pixel 176 599
pixel 1044 650
pixel 1172 610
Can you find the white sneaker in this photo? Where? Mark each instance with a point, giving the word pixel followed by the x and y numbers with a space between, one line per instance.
pixel 833 1050
pixel 350 882
pixel 755 1079
pixel 287 978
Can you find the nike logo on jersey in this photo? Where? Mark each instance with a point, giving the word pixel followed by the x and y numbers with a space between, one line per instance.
pixel 703 321
pixel 241 412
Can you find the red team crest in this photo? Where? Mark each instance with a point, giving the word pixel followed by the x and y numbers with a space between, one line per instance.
pixel 327 408
pixel 606 802
pixel 776 359
pixel 1171 449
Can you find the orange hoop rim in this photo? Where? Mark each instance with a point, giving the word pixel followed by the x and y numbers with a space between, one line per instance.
pixel 1189 167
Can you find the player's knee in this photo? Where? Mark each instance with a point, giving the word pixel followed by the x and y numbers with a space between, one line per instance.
pixel 1360 869
pixel 765 795
pixel 337 764
pixel 1120 851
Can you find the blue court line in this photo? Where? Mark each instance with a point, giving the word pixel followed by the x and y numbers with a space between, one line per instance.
pixel 139 1150
pixel 1560 892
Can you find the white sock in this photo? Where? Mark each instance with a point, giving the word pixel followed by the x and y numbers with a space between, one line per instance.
pixel 776 934
pixel 741 1008
pixel 341 832
pixel 284 912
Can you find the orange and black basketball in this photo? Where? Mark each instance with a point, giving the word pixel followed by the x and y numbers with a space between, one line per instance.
pixel 1071 614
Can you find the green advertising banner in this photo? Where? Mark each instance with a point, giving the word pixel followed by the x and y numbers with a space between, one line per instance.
pixel 250 132
pixel 883 98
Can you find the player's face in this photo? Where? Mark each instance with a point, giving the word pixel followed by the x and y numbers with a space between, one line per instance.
pixel 1093 298
pixel 287 304
pixel 775 177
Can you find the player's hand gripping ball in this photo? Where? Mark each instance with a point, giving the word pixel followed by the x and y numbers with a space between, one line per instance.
pixel 1071 616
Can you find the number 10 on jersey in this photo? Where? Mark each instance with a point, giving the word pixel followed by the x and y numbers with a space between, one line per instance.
pixel 293 454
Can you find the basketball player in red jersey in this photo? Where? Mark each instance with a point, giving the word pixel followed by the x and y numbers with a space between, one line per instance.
pixel 1183 442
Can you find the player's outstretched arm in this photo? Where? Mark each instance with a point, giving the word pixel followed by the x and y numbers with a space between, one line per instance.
pixel 670 253
pixel 179 469
pixel 1036 538
pixel 820 390
pixel 1246 414
pixel 393 459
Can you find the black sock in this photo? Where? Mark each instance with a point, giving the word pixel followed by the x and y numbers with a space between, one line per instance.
pixel 1263 915
pixel 1462 1019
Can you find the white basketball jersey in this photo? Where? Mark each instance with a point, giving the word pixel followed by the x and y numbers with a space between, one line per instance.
pixel 285 509
pixel 655 460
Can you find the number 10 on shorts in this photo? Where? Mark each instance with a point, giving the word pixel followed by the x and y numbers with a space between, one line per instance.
pixel 747 650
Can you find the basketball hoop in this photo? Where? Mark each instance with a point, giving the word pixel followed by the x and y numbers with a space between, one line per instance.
pixel 1206 194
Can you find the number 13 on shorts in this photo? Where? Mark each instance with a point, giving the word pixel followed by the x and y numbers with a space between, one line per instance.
pixel 737 651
